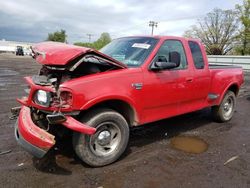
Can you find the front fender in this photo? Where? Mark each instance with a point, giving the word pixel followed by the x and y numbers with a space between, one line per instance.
pixel 107 98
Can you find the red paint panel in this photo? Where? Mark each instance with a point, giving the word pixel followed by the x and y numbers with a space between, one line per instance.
pixel 31 133
pixel 55 53
pixel 75 125
pixel 28 101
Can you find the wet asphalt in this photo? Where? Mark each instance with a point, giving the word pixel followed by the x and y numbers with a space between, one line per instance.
pixel 157 155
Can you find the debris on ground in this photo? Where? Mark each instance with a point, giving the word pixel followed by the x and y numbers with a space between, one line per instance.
pixel 20 164
pixel 5 152
pixel 231 159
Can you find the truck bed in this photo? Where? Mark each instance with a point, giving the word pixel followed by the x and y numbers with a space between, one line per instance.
pixel 222 66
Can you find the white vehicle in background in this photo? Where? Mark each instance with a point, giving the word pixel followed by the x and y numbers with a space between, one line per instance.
pixel 27 51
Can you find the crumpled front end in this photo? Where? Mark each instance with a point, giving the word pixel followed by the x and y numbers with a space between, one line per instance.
pixel 32 138
pixel 45 114
pixel 38 141
pixel 50 109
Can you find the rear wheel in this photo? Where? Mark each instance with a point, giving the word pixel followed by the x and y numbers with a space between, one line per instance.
pixel 109 141
pixel 224 112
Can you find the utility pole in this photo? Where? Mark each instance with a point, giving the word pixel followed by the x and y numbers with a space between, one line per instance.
pixel 89 35
pixel 152 24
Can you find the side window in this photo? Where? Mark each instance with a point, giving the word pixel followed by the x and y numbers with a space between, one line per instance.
pixel 172 46
pixel 197 55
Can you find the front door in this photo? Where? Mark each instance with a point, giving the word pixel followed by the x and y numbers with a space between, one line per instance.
pixel 165 90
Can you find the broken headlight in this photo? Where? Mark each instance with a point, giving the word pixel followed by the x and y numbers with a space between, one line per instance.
pixel 42 98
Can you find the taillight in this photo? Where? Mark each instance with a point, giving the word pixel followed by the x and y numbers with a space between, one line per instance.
pixel 66 99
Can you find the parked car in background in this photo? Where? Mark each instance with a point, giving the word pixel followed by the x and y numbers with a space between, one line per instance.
pixel 27 51
pixel 19 51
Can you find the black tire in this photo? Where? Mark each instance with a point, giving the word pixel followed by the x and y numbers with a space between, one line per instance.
pixel 112 130
pixel 224 112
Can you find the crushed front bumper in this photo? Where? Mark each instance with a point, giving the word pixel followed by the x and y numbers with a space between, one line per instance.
pixel 38 141
pixel 32 138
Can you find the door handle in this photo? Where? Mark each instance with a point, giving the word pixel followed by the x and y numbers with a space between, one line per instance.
pixel 189 79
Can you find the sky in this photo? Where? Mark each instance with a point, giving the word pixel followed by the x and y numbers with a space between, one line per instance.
pixel 31 21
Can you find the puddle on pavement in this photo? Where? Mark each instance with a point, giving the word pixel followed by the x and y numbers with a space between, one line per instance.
pixel 189 144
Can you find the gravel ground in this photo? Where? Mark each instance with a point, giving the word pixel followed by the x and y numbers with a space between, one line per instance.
pixel 150 160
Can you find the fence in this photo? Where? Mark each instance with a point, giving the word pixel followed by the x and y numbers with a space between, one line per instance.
pixel 243 61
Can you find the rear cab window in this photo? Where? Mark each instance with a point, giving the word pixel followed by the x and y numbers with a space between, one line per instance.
pixel 196 55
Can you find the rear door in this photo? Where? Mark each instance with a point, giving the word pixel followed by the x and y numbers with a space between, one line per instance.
pixel 201 76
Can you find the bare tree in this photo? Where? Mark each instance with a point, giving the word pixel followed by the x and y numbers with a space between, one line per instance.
pixel 217 30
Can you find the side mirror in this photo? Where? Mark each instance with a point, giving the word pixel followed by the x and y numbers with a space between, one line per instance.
pixel 164 65
pixel 174 61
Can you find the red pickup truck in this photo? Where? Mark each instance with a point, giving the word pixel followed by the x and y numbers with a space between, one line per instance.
pixel 98 95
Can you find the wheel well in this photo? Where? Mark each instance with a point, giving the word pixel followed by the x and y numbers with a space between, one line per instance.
pixel 119 106
pixel 234 88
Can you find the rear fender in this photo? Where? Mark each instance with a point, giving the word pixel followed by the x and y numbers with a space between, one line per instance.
pixel 226 89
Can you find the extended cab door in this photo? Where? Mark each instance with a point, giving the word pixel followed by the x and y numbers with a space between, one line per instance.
pixel 166 90
pixel 201 76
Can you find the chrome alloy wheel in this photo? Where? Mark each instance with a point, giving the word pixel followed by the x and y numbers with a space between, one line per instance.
pixel 106 139
pixel 228 107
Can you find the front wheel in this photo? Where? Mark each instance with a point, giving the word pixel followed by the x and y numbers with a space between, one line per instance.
pixel 224 112
pixel 109 141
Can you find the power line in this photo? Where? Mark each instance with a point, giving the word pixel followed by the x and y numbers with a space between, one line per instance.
pixel 161 21
pixel 183 18
pixel 127 28
pixel 117 33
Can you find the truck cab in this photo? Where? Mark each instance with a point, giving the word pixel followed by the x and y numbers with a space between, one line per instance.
pixel 179 89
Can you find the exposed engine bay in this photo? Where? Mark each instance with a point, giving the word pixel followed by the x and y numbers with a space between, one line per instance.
pixel 81 66
pixel 54 75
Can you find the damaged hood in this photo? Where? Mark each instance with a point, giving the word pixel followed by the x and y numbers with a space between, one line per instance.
pixel 60 54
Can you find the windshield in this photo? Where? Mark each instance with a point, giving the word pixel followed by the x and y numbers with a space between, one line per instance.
pixel 131 51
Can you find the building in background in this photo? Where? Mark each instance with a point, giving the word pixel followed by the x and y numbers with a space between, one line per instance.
pixel 11 46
